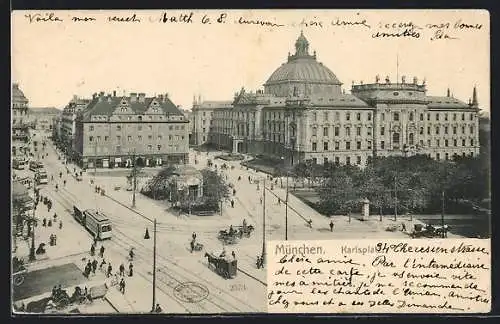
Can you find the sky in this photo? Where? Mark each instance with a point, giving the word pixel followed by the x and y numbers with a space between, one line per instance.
pixel 54 60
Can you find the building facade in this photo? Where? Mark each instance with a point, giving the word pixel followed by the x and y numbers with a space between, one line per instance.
pixel 304 114
pixel 202 118
pixel 44 118
pixel 21 123
pixel 67 125
pixel 113 130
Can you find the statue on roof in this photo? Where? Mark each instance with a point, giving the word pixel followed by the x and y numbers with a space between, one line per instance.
pixel 403 79
pixel 387 80
pixel 377 78
pixel 415 80
pixel 423 82
pixel 301 45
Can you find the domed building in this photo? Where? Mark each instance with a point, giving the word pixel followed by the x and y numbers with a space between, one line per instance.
pixel 303 114
pixel 302 73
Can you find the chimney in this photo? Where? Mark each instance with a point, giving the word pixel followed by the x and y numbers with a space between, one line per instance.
pixel 448 93
pixel 133 97
pixel 475 103
pixel 142 97
pixel 114 93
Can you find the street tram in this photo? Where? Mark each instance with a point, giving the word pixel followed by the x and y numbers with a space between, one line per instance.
pixel 35 165
pixel 41 177
pixel 96 222
pixel 19 164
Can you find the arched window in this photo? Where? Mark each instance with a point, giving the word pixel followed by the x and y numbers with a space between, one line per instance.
pixel 411 116
pixel 395 140
pixel 411 139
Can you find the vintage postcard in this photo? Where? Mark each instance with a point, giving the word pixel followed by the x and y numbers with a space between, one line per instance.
pixel 250 161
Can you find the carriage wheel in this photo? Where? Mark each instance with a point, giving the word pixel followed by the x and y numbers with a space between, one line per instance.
pixel 18 280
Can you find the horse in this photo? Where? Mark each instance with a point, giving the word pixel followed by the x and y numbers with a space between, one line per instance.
pixel 212 260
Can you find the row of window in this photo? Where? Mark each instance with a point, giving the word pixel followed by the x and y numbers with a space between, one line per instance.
pixel 347 116
pixel 337 146
pixel 118 148
pixel 139 127
pixel 139 138
pixel 382 144
pixel 336 131
pixel 421 131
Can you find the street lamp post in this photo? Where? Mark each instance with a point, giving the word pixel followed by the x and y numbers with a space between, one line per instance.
pixel 395 199
pixel 32 255
pixel 286 208
pixel 134 178
pixel 146 236
pixel 263 221
pixel 442 214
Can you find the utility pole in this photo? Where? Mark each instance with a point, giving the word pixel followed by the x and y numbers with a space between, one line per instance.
pixel 32 255
pixel 442 214
pixel 95 159
pixel 134 179
pixel 264 221
pixel 286 208
pixel 154 266
pixel 395 199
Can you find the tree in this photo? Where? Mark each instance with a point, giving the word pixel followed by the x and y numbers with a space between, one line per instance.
pixel 160 186
pixel 338 192
pixel 215 188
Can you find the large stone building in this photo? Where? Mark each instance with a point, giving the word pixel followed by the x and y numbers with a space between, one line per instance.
pixel 44 118
pixel 111 129
pixel 21 123
pixel 304 114
pixel 67 125
pixel 202 119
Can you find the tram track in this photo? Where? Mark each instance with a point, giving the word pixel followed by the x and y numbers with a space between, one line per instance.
pixel 126 239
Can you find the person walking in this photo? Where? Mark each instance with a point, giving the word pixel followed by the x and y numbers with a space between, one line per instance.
pixel 101 252
pixel 130 269
pixel 64 182
pixel 103 262
pixel 60 224
pixel 110 269
pixel 122 286
pixel 232 203
pixel 158 308
pixel 122 270
pixel 331 226
pixel 94 266
pixel 234 255
pixel 194 236
pixel 44 222
pixel 92 250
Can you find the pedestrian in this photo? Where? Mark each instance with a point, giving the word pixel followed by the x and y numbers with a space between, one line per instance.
pixel 51 240
pixel 94 266
pixel 234 255
pixel 279 201
pixel 110 269
pixel 55 217
pixel 64 182
pixel 89 265
pixel 232 203
pixel 122 286
pixel 158 308
pixel 60 174
pixel 60 224
pixel 131 254
pixel 331 226
pixel 92 249
pixel 403 227
pixel 309 223
pixel 234 192
pixel 101 252
pixel 52 178
pixel 194 236
pixel 49 223
pixel 44 222
pixel 57 187
pixel 261 200
pixel 130 269
pixel 103 262
pixel 55 239
pixel 122 270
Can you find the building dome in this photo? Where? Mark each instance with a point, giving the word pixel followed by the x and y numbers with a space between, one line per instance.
pixel 302 71
pixel 18 97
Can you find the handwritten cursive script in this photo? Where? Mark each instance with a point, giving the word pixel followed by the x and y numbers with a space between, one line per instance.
pixel 449 276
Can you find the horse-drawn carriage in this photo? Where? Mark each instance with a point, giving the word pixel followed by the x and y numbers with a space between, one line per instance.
pixel 235 232
pixel 429 231
pixel 195 246
pixel 224 267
